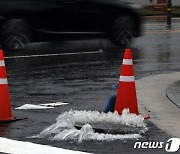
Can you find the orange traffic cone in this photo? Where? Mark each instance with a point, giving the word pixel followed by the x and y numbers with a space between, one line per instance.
pixel 126 94
pixel 5 107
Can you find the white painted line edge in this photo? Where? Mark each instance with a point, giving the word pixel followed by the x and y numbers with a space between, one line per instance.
pixel 40 106
pixel 32 107
pixel 20 147
pixel 48 55
pixel 54 104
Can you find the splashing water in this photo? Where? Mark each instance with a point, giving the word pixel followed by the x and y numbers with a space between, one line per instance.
pixel 64 128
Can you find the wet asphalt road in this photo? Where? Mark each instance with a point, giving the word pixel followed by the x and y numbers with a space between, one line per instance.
pixel 83 73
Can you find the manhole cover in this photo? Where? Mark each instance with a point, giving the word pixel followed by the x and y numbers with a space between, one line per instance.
pixel 112 128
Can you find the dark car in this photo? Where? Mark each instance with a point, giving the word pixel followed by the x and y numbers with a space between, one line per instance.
pixel 21 20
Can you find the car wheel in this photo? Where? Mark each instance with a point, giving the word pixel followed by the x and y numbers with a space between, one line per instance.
pixel 15 34
pixel 123 30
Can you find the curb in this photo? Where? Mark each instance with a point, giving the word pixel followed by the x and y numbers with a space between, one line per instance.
pixel 151 93
pixel 173 93
pixel 154 17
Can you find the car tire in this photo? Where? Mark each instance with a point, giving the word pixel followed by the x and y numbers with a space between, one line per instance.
pixel 15 34
pixel 123 30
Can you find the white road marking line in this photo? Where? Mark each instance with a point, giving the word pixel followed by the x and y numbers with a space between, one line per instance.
pixel 33 107
pixel 40 106
pixel 20 147
pixel 48 55
pixel 54 104
pixel 56 32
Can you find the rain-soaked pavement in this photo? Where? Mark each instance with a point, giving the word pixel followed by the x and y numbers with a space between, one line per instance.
pixel 83 74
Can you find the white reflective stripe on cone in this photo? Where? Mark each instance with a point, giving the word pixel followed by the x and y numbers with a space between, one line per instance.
pixel 2 63
pixel 3 81
pixel 126 78
pixel 127 62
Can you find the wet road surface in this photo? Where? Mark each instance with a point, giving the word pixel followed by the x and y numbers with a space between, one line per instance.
pixel 83 74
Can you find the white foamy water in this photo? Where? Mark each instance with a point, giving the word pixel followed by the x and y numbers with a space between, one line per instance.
pixel 64 128
pixel 96 117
